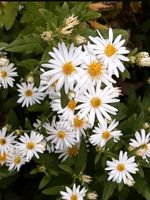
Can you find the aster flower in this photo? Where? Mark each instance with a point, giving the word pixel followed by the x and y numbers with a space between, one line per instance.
pixel 121 170
pixel 94 102
pixel 63 67
pixel 105 132
pixel 65 113
pixel 94 71
pixel 29 94
pixel 60 133
pixel 110 52
pixel 7 74
pixel 15 160
pixel 7 141
pixel 31 145
pixel 79 126
pixel 74 194
pixel 142 143
pixel 68 152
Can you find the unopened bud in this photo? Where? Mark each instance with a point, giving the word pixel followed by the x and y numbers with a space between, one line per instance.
pixel 142 59
pixel 47 35
pixel 4 62
pixel 19 132
pixel 92 195
pixel 30 79
pixel 80 39
pixel 146 125
pixel 85 178
pixel 130 182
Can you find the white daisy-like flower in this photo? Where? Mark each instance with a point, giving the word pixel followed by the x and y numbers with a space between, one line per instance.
pixel 95 102
pixel 79 126
pixel 121 170
pixel 68 152
pixel 15 160
pixel 6 75
pixel 3 158
pixel 110 52
pixel 105 132
pixel 7 141
pixel 65 113
pixel 29 94
pixel 94 71
pixel 31 145
pixel 74 194
pixel 64 66
pixel 60 133
pixel 142 143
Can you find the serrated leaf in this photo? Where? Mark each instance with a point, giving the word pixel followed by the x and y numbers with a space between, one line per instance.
pixel 53 190
pixel 108 190
pixel 28 124
pixel 28 63
pixel 10 13
pixel 90 14
pixel 66 168
pixel 44 181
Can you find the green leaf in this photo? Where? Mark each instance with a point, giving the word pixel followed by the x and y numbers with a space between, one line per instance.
pixel 97 157
pixel 147 194
pixel 64 98
pixel 125 74
pixel 10 13
pixel 26 45
pixel 29 63
pixel 48 16
pixel 12 118
pixel 66 168
pixel 90 14
pixel 44 181
pixel 53 190
pixel 81 158
pixel 108 190
pixel 28 124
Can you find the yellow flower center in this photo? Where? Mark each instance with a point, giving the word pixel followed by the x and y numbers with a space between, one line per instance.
pixel 73 197
pixel 4 74
pixel 145 146
pixel 110 50
pixel 28 93
pixel 61 134
pixel 17 160
pixel 2 141
pixel 72 104
pixel 106 135
pixel 30 145
pixel 3 157
pixel 95 69
pixel 78 123
pixel 68 68
pixel 96 102
pixel 121 167
pixel 73 151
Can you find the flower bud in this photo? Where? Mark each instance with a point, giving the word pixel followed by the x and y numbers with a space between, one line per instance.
pixel 80 39
pixel 4 62
pixel 142 59
pixel 47 35
pixel 92 195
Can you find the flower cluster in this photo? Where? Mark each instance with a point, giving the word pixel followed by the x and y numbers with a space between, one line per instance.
pixel 87 75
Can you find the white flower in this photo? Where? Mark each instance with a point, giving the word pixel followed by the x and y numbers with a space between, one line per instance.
pixel 15 160
pixel 95 102
pixel 60 133
pixel 6 75
pixel 94 71
pixel 7 141
pixel 63 67
pixel 121 170
pixel 142 143
pixel 111 52
pixel 79 126
pixel 105 132
pixel 74 194
pixel 68 152
pixel 65 113
pixel 31 145
pixel 3 158
pixel 29 94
